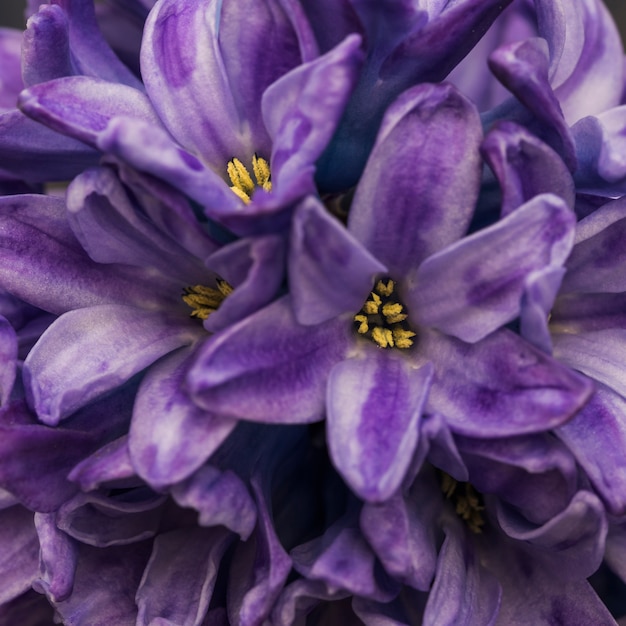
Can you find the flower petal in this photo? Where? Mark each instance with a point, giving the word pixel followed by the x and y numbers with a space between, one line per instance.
pixel 88 352
pixel 419 188
pixel 178 582
pixel 8 359
pixel 170 437
pixel 477 384
pixel 268 368
pixel 374 407
pixel 463 294
pixel 10 74
pixel 330 273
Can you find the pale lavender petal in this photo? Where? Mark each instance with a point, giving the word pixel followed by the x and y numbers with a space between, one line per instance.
pixel 220 497
pixel 57 560
pixel 255 267
pixel 525 166
pixel 19 552
pixel 463 293
pixel 178 582
pixel 422 175
pixel 10 75
pixel 82 107
pixel 464 591
pixel 259 569
pixel 109 464
pixel 170 437
pixel 374 408
pixel 330 273
pixel 90 351
pixel 42 263
pixel 8 359
pixel 102 521
pixel 268 368
pixel 502 375
pixel 440 444
pixel 597 438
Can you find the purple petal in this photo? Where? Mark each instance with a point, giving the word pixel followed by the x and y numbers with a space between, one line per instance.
pixel 82 107
pixel 464 591
pixel 597 438
pixel 374 407
pixel 19 552
pixel 90 351
pixel 8 359
pixel 476 384
pixel 29 608
pixel 330 273
pixel 42 263
pixel 255 267
pixel 423 174
pixel 170 437
pixel 10 74
pixel 259 570
pixel 103 521
pixel 577 313
pixel 460 294
pixel 58 559
pixel 525 167
pixel 220 497
pixel 178 582
pixel 268 368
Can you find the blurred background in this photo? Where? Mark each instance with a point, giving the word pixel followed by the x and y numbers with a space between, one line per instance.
pixel 12 13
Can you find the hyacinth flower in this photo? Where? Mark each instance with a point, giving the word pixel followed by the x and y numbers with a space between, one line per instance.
pixel 430 329
pixel 217 115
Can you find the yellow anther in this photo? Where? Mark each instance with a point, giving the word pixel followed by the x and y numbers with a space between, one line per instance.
pixel 402 338
pixel 468 505
pixel 393 312
pixel 363 325
pixel 262 173
pixel 240 178
pixel 205 300
pixel 383 337
pixel 224 288
pixel 448 485
pixel 385 290
pixel 372 306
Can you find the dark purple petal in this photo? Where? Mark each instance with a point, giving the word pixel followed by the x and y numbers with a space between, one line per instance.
pixel 178 582
pixel 583 312
pixel 255 266
pixel 57 561
pixel 10 74
pixel 330 273
pixel 42 263
pixel 464 591
pixel 29 609
pixel 90 351
pixel 374 407
pixel 19 552
pixel 259 569
pixel 8 359
pixel 460 293
pixel 103 521
pixel 170 437
pixel 525 167
pixel 221 499
pixel 500 386
pixel 419 188
pixel 268 368
pixel 82 107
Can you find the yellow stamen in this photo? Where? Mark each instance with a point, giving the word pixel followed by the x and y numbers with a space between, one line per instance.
pixel 402 337
pixel 242 183
pixel 383 337
pixel 262 173
pixel 205 300
pixel 363 325
pixel 371 306
pixel 393 312
pixel 385 290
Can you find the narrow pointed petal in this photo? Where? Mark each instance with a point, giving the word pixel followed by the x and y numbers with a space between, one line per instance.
pixel 57 560
pixel 221 499
pixel 330 273
pixel 525 167
pixel 178 582
pixel 88 352
pixel 418 191
pixel 82 107
pixel 502 375
pixel 268 368
pixel 576 313
pixel 170 437
pixel 374 407
pixel 462 294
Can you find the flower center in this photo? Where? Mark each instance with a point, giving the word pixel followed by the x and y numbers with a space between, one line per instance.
pixel 241 180
pixel 467 502
pixel 383 318
pixel 205 300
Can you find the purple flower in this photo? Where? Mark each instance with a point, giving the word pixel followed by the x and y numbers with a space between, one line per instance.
pixel 302 358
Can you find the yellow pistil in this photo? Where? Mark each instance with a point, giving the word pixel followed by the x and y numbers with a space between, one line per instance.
pixel 205 300
pixel 467 502
pixel 383 318
pixel 242 183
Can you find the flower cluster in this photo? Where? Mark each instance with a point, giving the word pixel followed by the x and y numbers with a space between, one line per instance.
pixel 312 312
